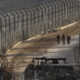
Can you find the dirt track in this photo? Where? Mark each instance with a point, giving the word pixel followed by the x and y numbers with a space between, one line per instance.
pixel 21 55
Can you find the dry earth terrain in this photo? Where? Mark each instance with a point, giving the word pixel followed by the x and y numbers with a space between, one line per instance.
pixel 22 53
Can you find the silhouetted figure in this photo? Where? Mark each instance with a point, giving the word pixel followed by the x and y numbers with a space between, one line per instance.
pixel 63 38
pixel 58 38
pixel 68 39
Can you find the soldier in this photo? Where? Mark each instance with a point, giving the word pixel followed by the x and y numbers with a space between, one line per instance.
pixel 58 38
pixel 68 39
pixel 63 38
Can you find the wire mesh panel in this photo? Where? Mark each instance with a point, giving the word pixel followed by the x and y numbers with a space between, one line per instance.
pixel 18 26
pixel 21 25
pixel 2 34
pixel 25 31
pixel 49 17
pixel 32 22
pixel 13 27
pixel 40 18
pixel 53 15
pixel 46 22
pixel 35 21
pixel 29 23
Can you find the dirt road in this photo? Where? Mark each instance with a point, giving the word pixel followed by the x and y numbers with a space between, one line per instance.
pixel 21 55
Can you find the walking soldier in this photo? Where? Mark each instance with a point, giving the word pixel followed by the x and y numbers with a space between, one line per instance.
pixel 68 39
pixel 63 38
pixel 58 38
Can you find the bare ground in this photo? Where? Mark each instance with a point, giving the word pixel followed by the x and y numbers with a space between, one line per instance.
pixel 21 55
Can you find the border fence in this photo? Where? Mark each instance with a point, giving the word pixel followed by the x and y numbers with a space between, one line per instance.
pixel 22 24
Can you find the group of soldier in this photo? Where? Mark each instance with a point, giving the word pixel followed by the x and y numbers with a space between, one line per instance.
pixel 64 38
